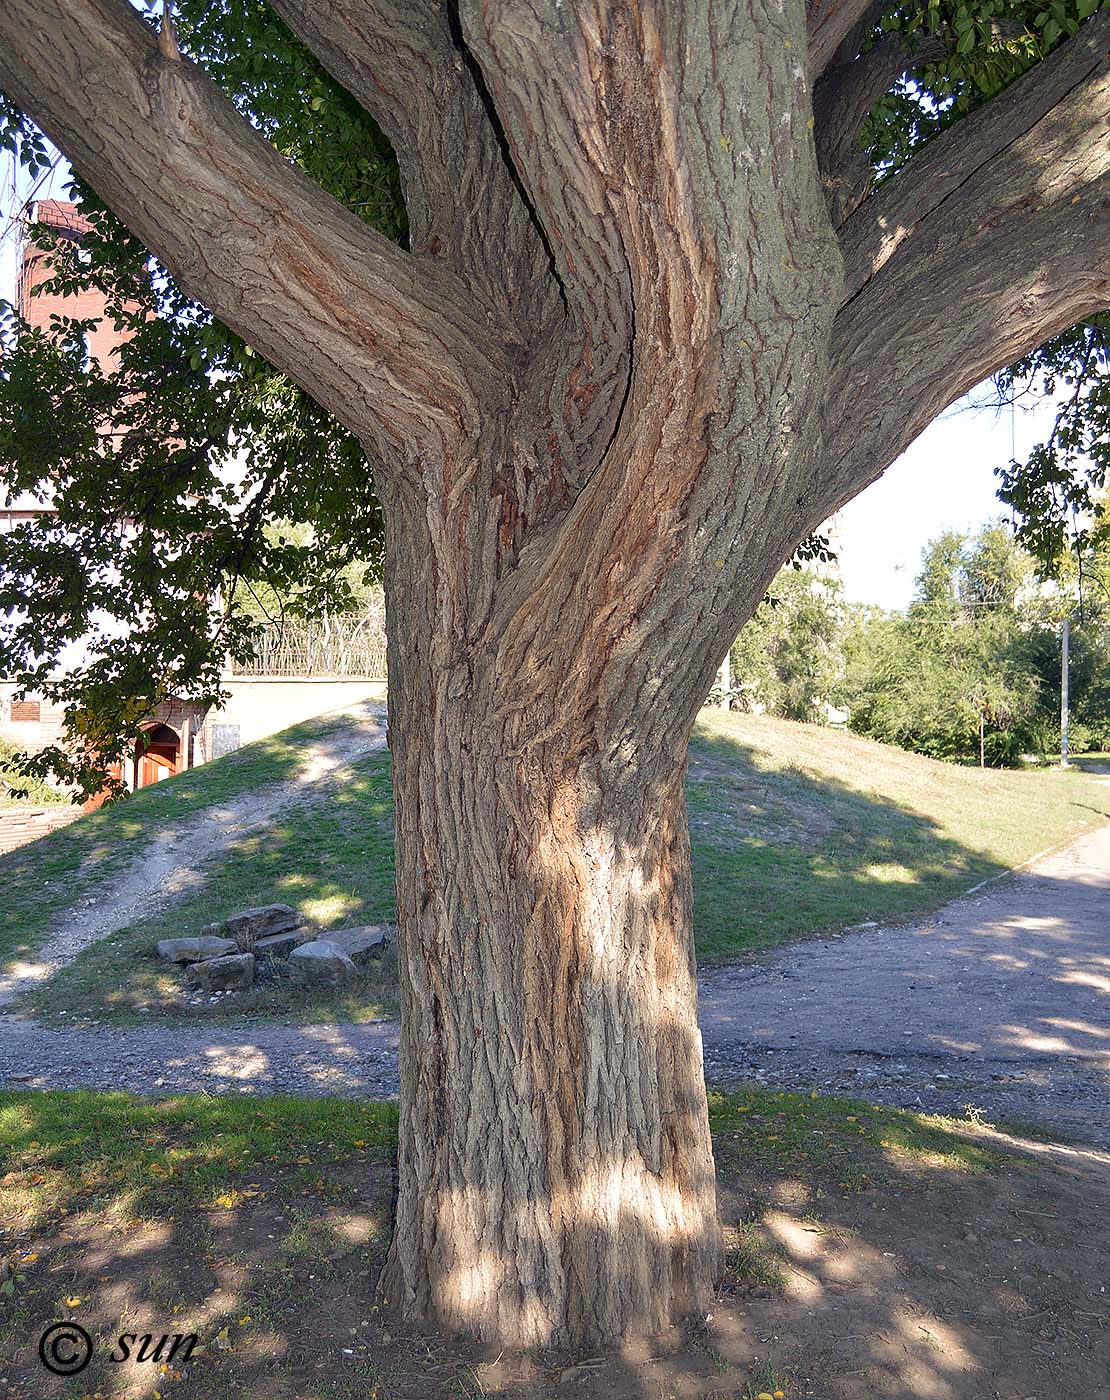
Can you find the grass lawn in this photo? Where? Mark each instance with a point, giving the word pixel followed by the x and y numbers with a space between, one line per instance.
pixel 867 1252
pixel 795 830
pixel 799 829
pixel 333 861
pixel 42 880
pixel 1095 760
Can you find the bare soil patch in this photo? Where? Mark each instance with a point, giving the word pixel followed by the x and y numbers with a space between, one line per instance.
pixel 870 1253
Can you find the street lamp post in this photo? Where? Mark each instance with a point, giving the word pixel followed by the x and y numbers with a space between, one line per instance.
pixel 1065 640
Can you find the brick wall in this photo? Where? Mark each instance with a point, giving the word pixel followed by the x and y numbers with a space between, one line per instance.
pixel 21 825
pixel 63 218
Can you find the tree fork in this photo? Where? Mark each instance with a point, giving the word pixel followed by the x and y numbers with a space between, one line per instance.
pixel 601 398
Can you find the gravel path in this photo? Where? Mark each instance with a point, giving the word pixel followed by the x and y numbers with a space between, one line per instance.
pixel 356 1061
pixel 170 866
pixel 999 1001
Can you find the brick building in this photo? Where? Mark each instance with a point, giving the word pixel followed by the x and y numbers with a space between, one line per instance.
pixel 175 733
pixel 35 268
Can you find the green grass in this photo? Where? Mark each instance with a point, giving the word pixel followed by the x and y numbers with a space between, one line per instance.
pixel 262 1223
pixel 799 829
pixel 1095 760
pixel 61 1151
pixel 780 1131
pixel 41 880
pixel 58 1151
pixel 795 830
pixel 333 861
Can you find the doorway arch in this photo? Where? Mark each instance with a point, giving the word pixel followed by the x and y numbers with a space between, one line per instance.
pixel 157 754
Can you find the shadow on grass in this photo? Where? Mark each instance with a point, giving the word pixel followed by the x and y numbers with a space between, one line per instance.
pixel 779 852
pixel 870 1252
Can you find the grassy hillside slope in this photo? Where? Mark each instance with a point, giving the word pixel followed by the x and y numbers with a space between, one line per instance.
pixel 794 830
pixel 39 882
pixel 798 828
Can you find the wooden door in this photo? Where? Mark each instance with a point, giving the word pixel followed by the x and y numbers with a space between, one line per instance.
pixel 154 766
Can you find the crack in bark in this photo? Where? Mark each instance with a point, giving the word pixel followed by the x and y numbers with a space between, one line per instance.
pixel 947 151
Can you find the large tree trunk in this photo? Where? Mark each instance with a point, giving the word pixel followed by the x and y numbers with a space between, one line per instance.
pixel 623 367
pixel 561 590
pixel 555 1176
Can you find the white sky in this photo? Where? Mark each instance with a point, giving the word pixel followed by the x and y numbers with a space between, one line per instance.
pixel 944 481
pixel 15 189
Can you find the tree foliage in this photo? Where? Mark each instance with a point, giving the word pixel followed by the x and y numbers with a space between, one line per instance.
pixel 974 660
pixel 176 472
pixel 983 45
pixel 972 669
pixel 788 660
pixel 157 604
pixel 1057 491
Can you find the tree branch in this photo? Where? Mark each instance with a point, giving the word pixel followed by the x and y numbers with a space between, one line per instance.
pixel 401 61
pixel 390 342
pixel 700 144
pixel 841 103
pixel 570 113
pixel 960 160
pixel 829 23
pixel 994 238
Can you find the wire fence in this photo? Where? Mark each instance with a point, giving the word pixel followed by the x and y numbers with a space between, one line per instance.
pixel 340 647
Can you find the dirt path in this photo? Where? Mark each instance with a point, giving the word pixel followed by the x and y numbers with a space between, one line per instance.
pixel 1000 1001
pixel 171 866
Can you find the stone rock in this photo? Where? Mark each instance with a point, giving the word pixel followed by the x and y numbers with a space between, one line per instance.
pixel 370 938
pixel 190 950
pixel 223 974
pixel 252 924
pixel 280 945
pixel 320 961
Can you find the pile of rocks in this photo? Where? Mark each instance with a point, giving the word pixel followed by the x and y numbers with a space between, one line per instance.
pixel 227 956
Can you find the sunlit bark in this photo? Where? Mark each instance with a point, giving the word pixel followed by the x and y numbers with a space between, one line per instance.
pixel 615 380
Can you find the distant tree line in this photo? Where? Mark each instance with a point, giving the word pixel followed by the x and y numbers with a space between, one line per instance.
pixel 789 659
pixel 969 672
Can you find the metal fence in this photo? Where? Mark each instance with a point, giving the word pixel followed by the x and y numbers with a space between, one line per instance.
pixel 345 646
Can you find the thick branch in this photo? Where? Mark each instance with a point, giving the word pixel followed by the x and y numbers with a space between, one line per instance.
pixel 400 60
pixel 841 103
pixel 378 336
pixel 828 24
pixel 565 106
pixel 993 239
pixel 960 161
pixel 735 275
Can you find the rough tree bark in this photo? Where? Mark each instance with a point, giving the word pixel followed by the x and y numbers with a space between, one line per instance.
pixel 618 375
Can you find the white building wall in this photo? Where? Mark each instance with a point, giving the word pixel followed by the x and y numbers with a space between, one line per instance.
pixel 261 705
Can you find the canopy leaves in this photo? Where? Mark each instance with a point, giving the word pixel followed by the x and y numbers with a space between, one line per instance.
pixel 174 471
